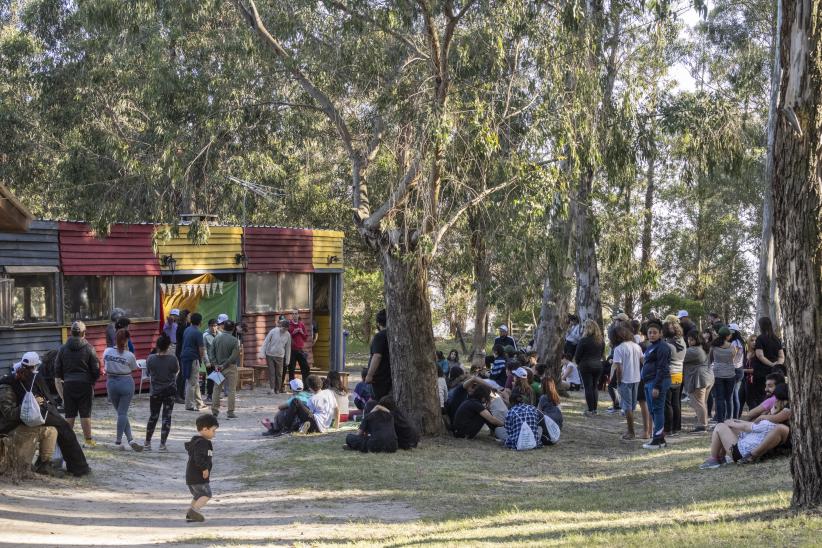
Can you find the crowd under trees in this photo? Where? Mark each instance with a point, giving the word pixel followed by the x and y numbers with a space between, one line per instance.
pixel 523 158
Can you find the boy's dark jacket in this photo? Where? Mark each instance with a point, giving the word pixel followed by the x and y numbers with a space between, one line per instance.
pixel 199 459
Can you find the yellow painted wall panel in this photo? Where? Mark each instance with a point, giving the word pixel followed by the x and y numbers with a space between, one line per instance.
pixel 219 253
pixel 327 243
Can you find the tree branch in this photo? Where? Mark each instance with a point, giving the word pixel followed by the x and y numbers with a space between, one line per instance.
pixel 397 194
pixel 363 17
pixel 470 203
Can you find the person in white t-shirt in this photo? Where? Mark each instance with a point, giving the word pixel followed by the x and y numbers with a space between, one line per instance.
pixel 318 413
pixel 627 366
pixel 569 378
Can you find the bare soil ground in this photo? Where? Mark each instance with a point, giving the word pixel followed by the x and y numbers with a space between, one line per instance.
pixel 139 499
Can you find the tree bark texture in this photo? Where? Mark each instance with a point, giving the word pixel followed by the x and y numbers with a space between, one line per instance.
pixel 482 277
pixel 411 340
pixel 647 232
pixel 797 191
pixel 589 298
pixel 766 302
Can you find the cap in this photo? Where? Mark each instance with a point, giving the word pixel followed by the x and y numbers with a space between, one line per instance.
pixel 724 331
pixel 520 372
pixel 503 327
pixel 29 359
pixel 174 312
pixel 222 318
pixel 492 384
pixel 508 349
pixel 682 314
pixel 295 384
pixel 734 327
pixel 78 328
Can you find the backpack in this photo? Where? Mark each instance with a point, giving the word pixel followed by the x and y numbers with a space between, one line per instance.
pixel 30 413
pixel 526 439
pixel 553 430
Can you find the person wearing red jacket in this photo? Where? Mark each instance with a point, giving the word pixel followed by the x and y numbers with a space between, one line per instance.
pixel 299 335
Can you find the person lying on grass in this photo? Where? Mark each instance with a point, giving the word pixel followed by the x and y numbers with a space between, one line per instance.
pixel 377 433
pixel 744 442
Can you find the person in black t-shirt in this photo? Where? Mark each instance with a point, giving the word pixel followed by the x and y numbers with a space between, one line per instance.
pixel 473 414
pixel 769 358
pixel 379 366
pixel 376 434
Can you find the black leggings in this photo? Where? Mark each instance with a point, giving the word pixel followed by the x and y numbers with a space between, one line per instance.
pixel 305 370
pixel 590 377
pixel 673 409
pixel 155 403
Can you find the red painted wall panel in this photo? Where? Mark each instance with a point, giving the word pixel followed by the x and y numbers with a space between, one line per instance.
pixel 126 251
pixel 143 337
pixel 257 327
pixel 271 249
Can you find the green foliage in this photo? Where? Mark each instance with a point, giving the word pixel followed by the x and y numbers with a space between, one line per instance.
pixel 363 299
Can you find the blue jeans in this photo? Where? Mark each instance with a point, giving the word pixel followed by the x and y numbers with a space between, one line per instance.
pixel 737 405
pixel 656 406
pixel 120 391
pixel 723 396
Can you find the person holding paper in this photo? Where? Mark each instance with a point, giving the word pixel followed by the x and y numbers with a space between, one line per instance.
pixel 226 362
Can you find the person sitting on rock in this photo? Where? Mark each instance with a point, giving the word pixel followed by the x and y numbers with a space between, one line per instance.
pixel 25 440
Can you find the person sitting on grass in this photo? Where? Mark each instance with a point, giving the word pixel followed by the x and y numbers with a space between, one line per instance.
pixel 570 374
pixel 549 402
pixel 279 425
pixel 498 373
pixel 408 437
pixel 317 415
pixel 377 433
pixel 744 442
pixel 525 425
pixel 334 383
pixel 473 413
pixel 771 382
pixel 523 384
pixel 363 392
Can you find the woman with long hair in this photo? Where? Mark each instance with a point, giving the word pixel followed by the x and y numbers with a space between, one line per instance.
pixel 335 384
pixel 698 379
pixel 549 403
pixel 738 342
pixel 120 385
pixel 769 358
pixel 722 363
pixel 588 357
pixel 672 331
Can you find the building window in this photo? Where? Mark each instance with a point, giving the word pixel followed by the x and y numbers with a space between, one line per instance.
pixel 34 298
pixel 87 298
pixel 294 290
pixel 135 295
pixel 262 292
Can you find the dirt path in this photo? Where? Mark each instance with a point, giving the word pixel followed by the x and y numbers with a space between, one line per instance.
pixel 135 499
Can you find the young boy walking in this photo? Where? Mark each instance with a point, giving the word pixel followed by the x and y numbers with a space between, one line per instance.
pixel 198 469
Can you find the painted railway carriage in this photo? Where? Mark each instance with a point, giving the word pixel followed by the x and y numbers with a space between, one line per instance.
pixel 53 273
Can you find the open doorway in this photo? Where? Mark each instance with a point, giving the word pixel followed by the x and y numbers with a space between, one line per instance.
pixel 327 314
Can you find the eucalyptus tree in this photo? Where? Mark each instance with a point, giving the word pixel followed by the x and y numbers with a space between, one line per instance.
pixel 797 191
pixel 392 80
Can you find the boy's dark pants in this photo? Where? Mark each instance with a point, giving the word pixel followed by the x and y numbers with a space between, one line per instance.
pixel 297 410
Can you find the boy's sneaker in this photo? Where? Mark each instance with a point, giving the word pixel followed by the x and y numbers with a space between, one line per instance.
pixel 231 415
pixel 305 427
pixel 611 410
pixel 89 443
pixel 135 446
pixel 194 515
pixel 710 464
pixel 147 446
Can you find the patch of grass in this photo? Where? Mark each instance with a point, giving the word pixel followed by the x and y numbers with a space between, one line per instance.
pixel 589 489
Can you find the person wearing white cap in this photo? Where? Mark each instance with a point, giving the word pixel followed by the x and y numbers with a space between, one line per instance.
pixel 278 426
pixel 504 338
pixel 170 327
pixel 221 319
pixel 685 322
pixel 738 342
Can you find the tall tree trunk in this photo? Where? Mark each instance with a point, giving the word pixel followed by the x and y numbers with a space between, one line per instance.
pixel 797 191
pixel 589 298
pixel 647 232
pixel 482 277
pixel 549 335
pixel 766 304
pixel 411 340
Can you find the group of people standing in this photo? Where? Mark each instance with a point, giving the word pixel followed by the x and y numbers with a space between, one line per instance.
pixel 657 363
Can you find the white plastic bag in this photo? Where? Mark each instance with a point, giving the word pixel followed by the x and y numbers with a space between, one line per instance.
pixel 216 377
pixel 526 439
pixel 30 413
pixel 553 429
